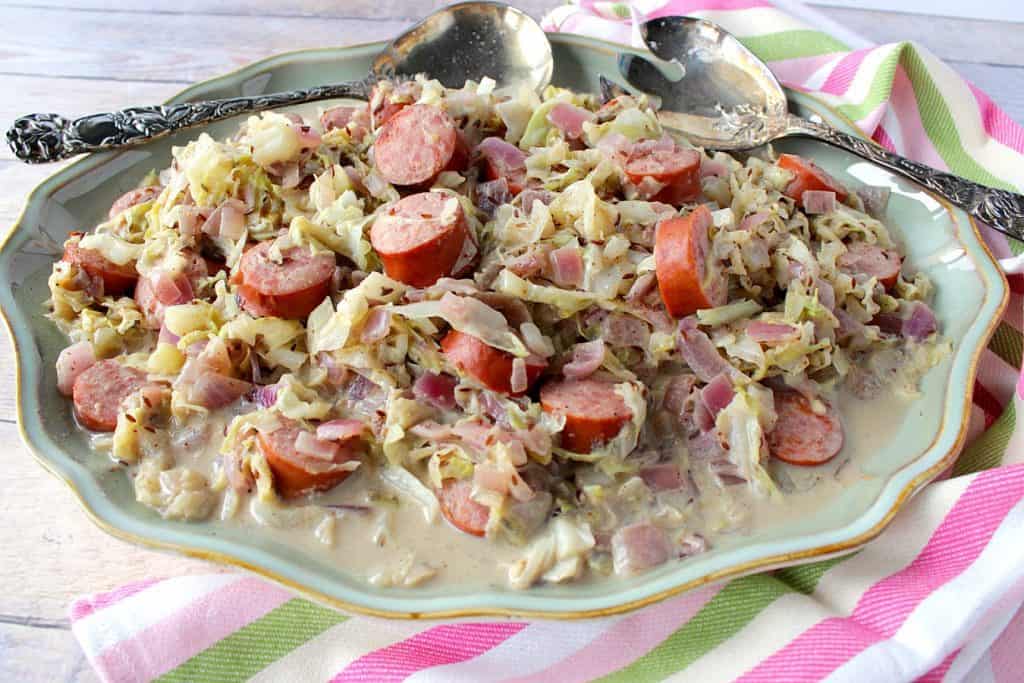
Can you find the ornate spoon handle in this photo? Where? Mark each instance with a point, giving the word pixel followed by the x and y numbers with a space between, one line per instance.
pixel 1001 209
pixel 39 138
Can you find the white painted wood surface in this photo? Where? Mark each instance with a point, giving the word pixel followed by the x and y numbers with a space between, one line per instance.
pixel 79 56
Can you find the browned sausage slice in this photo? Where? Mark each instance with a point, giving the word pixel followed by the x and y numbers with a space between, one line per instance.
pixel 869 260
pixel 297 473
pixel 134 197
pixel 680 262
pixel 464 513
pixel 419 238
pixel 678 169
pixel 801 436
pixel 117 278
pixel 594 412
pixel 808 176
pixel 99 392
pixel 290 289
pixel 486 364
pixel 415 145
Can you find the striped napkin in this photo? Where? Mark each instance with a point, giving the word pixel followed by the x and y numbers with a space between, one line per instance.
pixel 939 596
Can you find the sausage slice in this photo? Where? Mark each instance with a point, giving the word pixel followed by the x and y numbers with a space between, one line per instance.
pixel 415 145
pixel 99 392
pixel 808 176
pixel 295 473
pixel 464 513
pixel 801 436
pixel 489 366
pixel 290 289
pixel 680 262
pixel 677 169
pixel 869 260
pixel 117 278
pixel 593 411
pixel 419 238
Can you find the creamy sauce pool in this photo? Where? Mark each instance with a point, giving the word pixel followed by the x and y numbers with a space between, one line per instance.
pixel 393 543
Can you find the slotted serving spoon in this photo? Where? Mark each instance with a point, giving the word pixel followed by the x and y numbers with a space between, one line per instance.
pixel 726 98
pixel 468 40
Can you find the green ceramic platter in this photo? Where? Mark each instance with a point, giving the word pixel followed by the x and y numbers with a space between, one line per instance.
pixel 940 240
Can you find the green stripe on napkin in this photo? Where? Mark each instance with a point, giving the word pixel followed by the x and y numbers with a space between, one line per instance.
pixel 255 646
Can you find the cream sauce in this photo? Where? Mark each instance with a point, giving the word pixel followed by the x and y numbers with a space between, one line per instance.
pixel 373 531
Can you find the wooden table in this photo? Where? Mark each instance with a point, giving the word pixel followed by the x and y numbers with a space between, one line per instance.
pixel 77 56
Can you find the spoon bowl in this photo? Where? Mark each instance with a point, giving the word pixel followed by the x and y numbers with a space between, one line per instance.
pixel 728 99
pixel 468 41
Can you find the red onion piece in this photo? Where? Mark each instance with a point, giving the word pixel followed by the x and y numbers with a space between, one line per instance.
pixel 212 390
pixel 264 396
pixel 531 194
pixel 166 336
pixel 492 194
pixel 587 357
pixel 438 390
pixel 376 326
pixel 336 373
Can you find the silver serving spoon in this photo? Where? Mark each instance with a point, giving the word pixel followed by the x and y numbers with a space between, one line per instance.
pixel 728 99
pixel 468 40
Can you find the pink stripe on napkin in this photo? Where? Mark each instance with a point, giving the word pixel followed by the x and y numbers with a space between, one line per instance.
pixel 957 542
pixel 626 639
pixel 685 6
pixel 938 673
pixel 882 137
pixel 797 71
pixel 997 122
pixel 438 646
pixel 1005 653
pixel 838 82
pixel 85 607
pixel 194 628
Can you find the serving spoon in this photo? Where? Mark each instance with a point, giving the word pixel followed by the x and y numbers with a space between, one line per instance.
pixel 728 99
pixel 468 40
